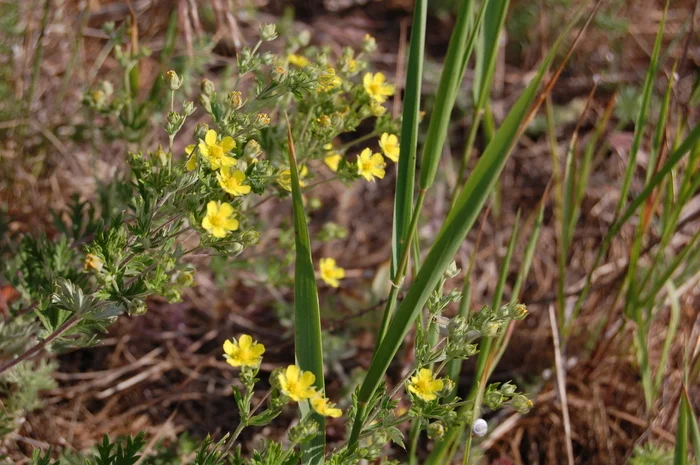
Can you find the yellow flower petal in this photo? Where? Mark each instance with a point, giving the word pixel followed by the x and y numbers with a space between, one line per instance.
pixel 228 144
pixel 210 137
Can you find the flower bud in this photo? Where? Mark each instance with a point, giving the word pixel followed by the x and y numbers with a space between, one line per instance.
pixel 252 149
pixel 250 237
pixel 451 271
pixel 207 87
pixel 267 58
pixel 262 120
pixel 137 307
pixel 201 130
pixel 185 278
pixel 518 312
pixel 303 432
pixel 188 108
pixel 98 98
pixel 451 418
pixel 436 430
pixel 377 109
pixel 458 327
pixel 493 399
pixel 235 99
pixel 278 74
pixel 369 44
pixel 268 32
pixel 490 328
pixel 162 156
pixel 304 37
pixel 520 403
pixel 172 80
pixel 480 428
pixel 173 118
pixel 508 389
pixel 93 262
pixel 447 387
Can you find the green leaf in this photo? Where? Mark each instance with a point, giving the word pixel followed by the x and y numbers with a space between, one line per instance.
pixel 455 228
pixel 461 45
pixel 680 453
pixel 307 315
pixel 694 428
pixel 640 122
pixel 405 179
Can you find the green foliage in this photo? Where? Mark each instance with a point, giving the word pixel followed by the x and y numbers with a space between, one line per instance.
pixel 651 454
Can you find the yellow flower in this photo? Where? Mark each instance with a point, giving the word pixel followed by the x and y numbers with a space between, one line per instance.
pixel 232 181
pixel 376 87
pixel 297 384
pixel 327 80
pixel 325 408
pixel 370 165
pixel 330 272
pixel 332 161
pixel 376 108
pixel 285 178
pixel 389 144
pixel 424 385
pixel 215 152
pixel 243 353
pixel 219 221
pixel 352 65
pixel 332 158
pixel 298 60
pixel 192 160
pixel 94 262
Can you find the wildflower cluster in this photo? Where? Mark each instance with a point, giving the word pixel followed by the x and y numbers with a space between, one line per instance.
pixel 288 385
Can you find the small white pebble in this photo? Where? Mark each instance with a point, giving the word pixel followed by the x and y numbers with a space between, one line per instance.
pixel 480 427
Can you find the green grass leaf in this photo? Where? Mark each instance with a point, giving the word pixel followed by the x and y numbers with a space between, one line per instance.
pixel 680 453
pixel 640 122
pixel 694 428
pixel 455 228
pixel 461 45
pixel 405 179
pixel 307 314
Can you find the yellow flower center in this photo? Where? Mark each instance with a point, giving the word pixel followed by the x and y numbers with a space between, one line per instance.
pixel 367 166
pixel 216 151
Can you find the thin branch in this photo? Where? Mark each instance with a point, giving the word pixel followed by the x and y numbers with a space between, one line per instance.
pixel 72 321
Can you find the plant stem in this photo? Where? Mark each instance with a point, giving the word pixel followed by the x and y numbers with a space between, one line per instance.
pixel 68 324
pixel 466 155
pixel 401 269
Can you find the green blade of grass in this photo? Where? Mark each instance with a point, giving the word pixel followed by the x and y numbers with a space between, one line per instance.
pixel 504 337
pixel 455 228
pixel 459 50
pixel 640 122
pixel 680 454
pixel 405 179
pixel 458 53
pixel 307 314
pixel 487 49
pixel 688 144
pixel 694 428
pixel 486 55
pixel 449 441
pixel 671 329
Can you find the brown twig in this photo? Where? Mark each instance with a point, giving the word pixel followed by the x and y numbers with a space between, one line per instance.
pixel 72 321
